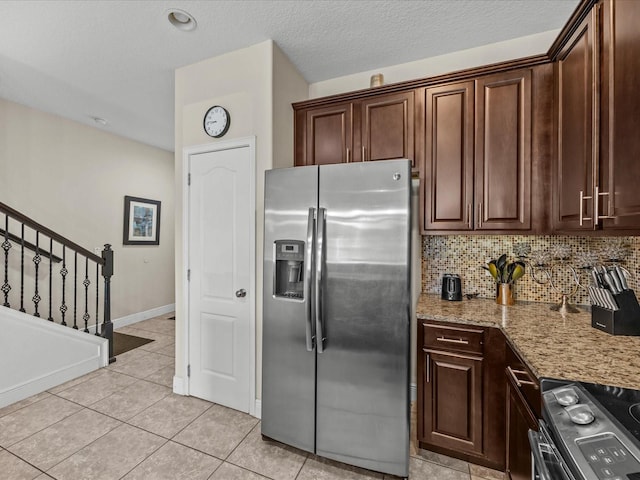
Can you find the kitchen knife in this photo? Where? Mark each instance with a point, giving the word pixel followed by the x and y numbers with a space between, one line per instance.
pixel 623 279
pixel 608 280
pixel 593 297
pixel 616 279
pixel 597 292
pixel 595 277
pixel 611 302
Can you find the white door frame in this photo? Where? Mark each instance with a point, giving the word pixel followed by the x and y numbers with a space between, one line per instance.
pixel 249 142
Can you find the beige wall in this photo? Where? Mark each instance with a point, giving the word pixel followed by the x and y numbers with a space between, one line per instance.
pixel 451 62
pixel 256 85
pixel 73 178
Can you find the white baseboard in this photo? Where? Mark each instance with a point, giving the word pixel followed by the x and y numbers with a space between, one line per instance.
pixel 179 385
pixel 258 408
pixel 140 316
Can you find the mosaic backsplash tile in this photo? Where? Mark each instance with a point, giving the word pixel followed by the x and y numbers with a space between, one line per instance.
pixel 465 254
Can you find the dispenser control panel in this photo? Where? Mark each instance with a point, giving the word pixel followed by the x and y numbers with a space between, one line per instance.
pixel 289 269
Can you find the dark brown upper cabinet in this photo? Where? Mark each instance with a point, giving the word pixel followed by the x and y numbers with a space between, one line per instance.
pixel 597 73
pixel 377 128
pixel 327 135
pixel 477 170
pixel 386 127
pixel 503 151
pixel 577 128
pixel 620 115
pixel 447 183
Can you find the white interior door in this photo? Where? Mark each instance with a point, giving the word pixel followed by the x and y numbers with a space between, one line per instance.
pixel 221 290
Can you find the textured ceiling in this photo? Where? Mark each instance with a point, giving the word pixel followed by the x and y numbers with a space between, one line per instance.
pixel 116 59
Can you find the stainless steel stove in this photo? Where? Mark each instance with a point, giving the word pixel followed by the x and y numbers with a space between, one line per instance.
pixel 588 431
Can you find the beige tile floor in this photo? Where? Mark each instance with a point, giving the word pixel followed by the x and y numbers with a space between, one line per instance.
pixel 123 421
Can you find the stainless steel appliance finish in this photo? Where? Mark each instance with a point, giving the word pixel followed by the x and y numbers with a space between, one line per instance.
pixel 587 438
pixel 342 349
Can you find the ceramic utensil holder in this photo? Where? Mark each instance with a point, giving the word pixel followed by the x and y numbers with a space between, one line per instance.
pixel 625 321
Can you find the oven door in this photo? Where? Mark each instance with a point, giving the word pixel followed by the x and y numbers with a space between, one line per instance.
pixel 546 461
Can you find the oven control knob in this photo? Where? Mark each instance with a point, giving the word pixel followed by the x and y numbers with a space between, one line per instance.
pixel 566 396
pixel 580 414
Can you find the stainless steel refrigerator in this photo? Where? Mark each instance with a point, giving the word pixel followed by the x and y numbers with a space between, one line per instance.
pixel 336 316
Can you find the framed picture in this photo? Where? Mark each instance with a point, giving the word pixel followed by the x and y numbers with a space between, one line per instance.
pixel 141 221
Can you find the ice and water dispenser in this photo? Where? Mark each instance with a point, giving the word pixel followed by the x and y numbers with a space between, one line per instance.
pixel 289 272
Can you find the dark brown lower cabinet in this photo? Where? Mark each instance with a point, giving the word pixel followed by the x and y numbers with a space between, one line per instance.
pixel 461 392
pixel 453 401
pixel 522 413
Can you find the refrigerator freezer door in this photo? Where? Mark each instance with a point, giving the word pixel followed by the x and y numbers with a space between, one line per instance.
pixel 288 368
pixel 363 372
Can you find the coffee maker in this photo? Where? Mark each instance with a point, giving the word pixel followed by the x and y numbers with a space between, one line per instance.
pixel 289 271
pixel 451 287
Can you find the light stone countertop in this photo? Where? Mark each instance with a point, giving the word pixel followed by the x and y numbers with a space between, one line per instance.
pixel 552 345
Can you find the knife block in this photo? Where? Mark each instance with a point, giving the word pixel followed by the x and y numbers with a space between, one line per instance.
pixel 625 321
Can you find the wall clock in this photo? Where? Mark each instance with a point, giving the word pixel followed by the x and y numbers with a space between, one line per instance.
pixel 216 121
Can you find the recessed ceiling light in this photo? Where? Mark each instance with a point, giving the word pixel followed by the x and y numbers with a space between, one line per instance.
pixel 181 20
pixel 100 121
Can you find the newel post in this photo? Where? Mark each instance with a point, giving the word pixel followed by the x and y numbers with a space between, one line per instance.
pixel 107 273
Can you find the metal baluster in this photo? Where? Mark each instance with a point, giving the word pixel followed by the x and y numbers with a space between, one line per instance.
pixel 86 284
pixel 22 270
pixel 97 294
pixel 50 276
pixel 6 246
pixel 63 273
pixel 75 291
pixel 36 260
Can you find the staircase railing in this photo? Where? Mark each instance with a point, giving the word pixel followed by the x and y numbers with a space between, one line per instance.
pixel 20 232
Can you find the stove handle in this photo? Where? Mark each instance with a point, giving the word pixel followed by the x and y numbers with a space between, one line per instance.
pixel 538 467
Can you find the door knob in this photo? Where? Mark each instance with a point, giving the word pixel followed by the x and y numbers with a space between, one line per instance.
pixel 241 293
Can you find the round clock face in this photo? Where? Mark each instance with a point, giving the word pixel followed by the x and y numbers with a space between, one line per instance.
pixel 216 121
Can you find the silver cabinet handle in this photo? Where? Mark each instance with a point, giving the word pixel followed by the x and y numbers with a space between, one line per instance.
pixel 348 155
pixel 364 153
pixel 453 340
pixel 469 216
pixel 480 215
pixel 428 368
pixel 582 199
pixel 320 222
pixel 241 293
pixel 308 261
pixel 603 194
pixel 519 382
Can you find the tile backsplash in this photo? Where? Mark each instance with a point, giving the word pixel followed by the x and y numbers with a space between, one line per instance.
pixel 465 254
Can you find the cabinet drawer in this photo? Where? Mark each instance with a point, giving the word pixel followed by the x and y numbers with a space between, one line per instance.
pixel 459 339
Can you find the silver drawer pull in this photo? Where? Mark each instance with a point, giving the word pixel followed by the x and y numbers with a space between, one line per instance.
pixel 453 340
pixel 519 382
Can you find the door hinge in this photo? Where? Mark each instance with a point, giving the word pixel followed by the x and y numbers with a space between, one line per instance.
pixel 188 370
pixel 189 275
pixel 189 179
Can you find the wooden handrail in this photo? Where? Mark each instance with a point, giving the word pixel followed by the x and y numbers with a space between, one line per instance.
pixel 30 246
pixel 49 233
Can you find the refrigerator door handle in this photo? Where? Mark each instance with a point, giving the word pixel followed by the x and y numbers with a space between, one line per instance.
pixel 308 268
pixel 319 273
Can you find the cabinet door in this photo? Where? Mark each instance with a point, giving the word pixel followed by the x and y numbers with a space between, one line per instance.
pixel 503 151
pixel 576 159
pixel 329 133
pixel 386 125
pixel 452 401
pixel 447 186
pixel 520 420
pixel 620 158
